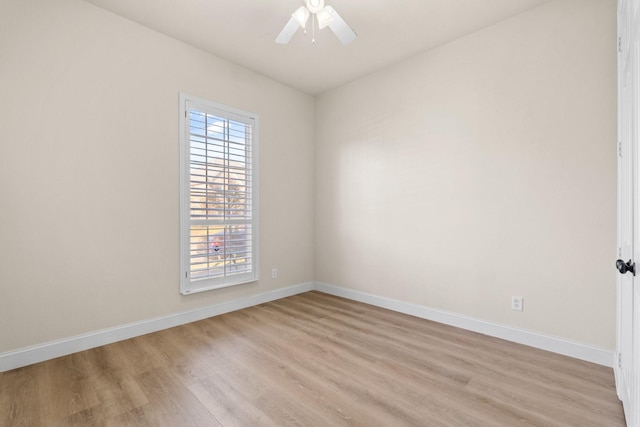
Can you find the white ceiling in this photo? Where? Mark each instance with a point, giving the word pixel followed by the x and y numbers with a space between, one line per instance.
pixel 243 32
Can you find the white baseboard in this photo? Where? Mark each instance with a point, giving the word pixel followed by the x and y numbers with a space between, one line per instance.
pixel 50 350
pixel 533 339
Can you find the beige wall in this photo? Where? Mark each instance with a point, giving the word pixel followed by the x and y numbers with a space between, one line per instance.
pixel 89 171
pixel 480 170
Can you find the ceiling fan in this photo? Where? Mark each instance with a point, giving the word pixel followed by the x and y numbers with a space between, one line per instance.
pixel 325 15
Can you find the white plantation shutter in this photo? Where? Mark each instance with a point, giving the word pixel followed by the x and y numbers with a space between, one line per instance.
pixel 219 196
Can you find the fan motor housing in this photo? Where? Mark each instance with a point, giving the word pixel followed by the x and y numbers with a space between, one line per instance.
pixel 315 6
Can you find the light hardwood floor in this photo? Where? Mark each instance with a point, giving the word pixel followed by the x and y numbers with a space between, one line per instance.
pixel 314 360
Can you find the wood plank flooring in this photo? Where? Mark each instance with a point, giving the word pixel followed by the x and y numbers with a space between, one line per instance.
pixel 314 360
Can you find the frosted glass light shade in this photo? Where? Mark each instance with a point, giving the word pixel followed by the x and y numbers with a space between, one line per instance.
pixel 301 15
pixel 324 18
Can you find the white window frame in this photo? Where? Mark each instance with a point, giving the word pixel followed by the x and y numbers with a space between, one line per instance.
pixel 187 284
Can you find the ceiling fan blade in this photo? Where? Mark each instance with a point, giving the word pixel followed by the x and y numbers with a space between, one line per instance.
pixel 344 33
pixel 299 18
pixel 288 31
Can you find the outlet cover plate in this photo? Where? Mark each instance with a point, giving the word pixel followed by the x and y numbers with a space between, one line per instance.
pixel 517 303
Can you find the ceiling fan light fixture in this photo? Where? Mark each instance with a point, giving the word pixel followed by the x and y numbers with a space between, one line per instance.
pixel 301 16
pixel 324 18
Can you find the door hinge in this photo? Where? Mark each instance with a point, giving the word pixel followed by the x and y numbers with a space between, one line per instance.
pixel 619 360
pixel 620 148
pixel 619 252
pixel 619 44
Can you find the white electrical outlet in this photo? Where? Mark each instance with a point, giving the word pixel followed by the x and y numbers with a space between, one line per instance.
pixel 274 273
pixel 517 303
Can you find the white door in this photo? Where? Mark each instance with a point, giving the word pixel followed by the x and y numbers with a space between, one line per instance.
pixel 628 300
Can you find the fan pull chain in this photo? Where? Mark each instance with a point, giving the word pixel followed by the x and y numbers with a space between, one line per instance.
pixel 313 30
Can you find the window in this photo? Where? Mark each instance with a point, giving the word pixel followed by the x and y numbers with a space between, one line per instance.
pixel 219 196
